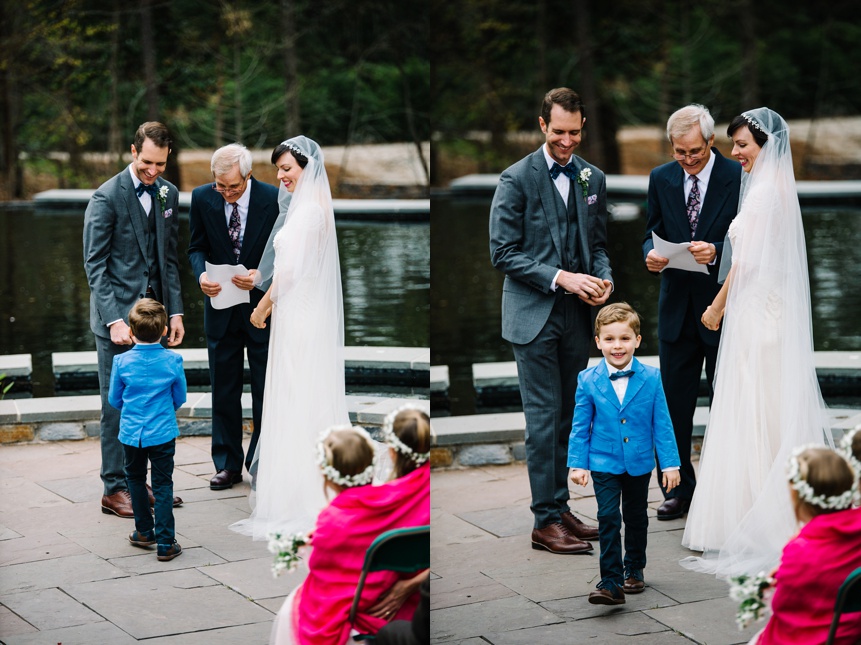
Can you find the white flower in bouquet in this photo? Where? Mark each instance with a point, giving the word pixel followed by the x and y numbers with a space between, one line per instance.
pixel 748 591
pixel 286 551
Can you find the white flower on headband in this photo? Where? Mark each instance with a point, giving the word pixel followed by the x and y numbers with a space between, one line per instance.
pixel 334 475
pixel 807 494
pixel 391 438
pixel 846 447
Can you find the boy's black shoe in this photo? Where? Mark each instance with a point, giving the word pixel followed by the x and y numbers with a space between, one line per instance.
pixel 146 539
pixel 169 553
pixel 606 597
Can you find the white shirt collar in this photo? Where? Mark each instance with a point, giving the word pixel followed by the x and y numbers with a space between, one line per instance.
pixel 611 369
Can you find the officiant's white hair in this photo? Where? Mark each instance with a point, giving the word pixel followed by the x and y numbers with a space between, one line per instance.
pixel 682 120
pixel 226 157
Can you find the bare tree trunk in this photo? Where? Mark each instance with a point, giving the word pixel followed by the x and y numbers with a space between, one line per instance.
pixel 411 126
pixel 291 72
pixel 541 28
pixel 148 52
pixel 219 98
pixel 9 105
pixel 588 90
pixel 750 62
pixel 237 89
pixel 114 137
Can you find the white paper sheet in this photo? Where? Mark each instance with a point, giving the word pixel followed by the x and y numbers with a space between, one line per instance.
pixel 678 255
pixel 230 294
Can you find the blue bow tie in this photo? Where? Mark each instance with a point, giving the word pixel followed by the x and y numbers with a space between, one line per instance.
pixel 621 374
pixel 567 169
pixel 144 187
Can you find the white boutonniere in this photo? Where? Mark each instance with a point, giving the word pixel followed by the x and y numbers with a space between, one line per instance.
pixel 162 196
pixel 286 550
pixel 583 180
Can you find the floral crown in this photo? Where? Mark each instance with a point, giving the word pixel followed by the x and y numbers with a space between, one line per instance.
pixel 750 120
pixel 805 490
pixel 846 448
pixel 391 438
pixel 333 474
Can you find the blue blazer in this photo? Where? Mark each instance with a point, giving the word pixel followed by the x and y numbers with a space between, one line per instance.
pixel 612 437
pixel 147 386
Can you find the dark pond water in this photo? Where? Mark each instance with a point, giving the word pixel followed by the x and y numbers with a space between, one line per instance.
pixel 44 297
pixel 466 290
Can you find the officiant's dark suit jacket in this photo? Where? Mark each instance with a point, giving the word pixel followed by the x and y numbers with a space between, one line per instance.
pixel 683 342
pixel 229 332
pixel 124 249
pixel 533 234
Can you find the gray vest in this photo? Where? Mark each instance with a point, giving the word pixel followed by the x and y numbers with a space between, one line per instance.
pixel 567 215
pixel 154 276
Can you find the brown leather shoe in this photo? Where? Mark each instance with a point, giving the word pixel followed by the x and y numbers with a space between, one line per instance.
pixel 164 555
pixel 673 508
pixel 142 539
pixel 556 539
pixel 578 528
pixel 119 503
pixel 177 501
pixel 225 479
pixel 604 597
pixel 632 585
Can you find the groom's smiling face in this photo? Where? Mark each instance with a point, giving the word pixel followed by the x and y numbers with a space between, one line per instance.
pixel 563 133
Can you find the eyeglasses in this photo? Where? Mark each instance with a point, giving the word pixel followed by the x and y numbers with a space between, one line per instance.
pixel 230 190
pixel 696 155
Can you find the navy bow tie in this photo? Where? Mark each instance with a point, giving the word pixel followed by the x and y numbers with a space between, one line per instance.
pixel 621 374
pixel 567 169
pixel 144 187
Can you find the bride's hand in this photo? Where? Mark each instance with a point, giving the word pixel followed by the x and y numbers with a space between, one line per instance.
pixel 258 317
pixel 711 318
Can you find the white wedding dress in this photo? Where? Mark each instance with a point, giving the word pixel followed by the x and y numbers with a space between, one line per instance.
pixel 766 394
pixel 305 373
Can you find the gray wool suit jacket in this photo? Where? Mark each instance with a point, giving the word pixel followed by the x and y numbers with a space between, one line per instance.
pixel 526 242
pixel 115 250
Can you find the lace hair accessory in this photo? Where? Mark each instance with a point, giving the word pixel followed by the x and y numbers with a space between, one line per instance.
pixel 805 490
pixel 333 474
pixel 391 438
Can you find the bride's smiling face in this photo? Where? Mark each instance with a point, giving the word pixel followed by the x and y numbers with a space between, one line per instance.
pixel 745 148
pixel 288 171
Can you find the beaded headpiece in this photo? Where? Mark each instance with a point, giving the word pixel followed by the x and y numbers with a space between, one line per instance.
pixel 805 490
pixel 391 438
pixel 333 474
pixel 750 120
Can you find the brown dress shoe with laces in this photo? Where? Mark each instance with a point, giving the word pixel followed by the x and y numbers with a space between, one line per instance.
pixel 632 585
pixel 556 539
pixel 119 503
pixel 225 479
pixel 577 528
pixel 177 501
pixel 604 597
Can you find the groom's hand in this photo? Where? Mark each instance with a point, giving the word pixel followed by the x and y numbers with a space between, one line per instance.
pixel 582 284
pixel 120 333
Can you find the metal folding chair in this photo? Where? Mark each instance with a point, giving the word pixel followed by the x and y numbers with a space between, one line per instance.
pixel 848 601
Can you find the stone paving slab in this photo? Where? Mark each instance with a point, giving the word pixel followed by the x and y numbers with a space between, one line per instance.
pixel 103 632
pixel 45 574
pixel 494 588
pixel 48 609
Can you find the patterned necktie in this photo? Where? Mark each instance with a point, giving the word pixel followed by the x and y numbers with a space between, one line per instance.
pixel 694 205
pixel 234 228
pixel 621 374
pixel 567 169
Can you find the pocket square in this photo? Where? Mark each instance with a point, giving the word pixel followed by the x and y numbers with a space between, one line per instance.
pixel 592 199
pixel 168 212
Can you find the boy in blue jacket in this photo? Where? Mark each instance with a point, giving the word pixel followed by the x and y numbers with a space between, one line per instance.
pixel 620 419
pixel 148 386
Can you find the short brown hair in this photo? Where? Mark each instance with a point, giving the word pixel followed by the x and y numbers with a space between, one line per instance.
pixel 347 451
pixel 147 320
pixel 565 98
pixel 155 132
pixel 828 474
pixel 618 312
pixel 412 428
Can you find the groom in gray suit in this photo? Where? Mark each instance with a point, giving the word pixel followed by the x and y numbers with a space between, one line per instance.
pixel 548 235
pixel 130 238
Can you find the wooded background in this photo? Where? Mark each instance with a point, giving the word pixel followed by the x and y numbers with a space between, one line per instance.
pixel 79 76
pixel 633 62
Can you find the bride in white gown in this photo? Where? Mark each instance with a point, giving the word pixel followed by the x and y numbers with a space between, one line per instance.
pixel 305 372
pixel 767 399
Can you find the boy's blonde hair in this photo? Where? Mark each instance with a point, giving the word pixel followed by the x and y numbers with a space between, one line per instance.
pixel 147 320
pixel 618 312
